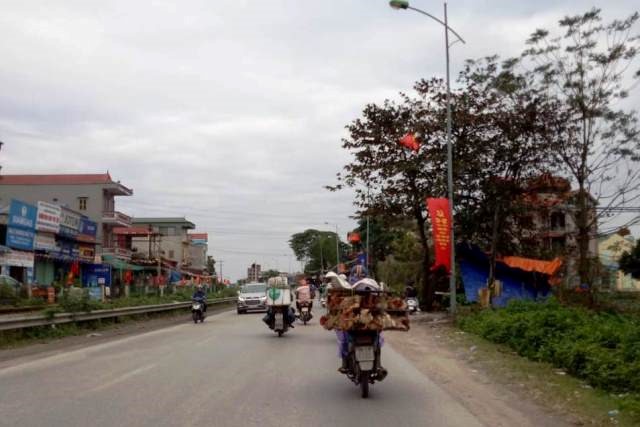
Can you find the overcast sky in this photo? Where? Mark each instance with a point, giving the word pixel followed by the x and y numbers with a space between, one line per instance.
pixel 227 112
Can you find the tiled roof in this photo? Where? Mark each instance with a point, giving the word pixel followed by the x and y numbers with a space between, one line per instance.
pixel 57 179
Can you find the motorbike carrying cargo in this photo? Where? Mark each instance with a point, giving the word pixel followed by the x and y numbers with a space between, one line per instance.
pixel 352 309
pixel 278 292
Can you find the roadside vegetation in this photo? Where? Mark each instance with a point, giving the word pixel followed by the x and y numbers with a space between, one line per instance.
pixel 601 348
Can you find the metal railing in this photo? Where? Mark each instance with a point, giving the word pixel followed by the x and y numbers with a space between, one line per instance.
pixel 10 322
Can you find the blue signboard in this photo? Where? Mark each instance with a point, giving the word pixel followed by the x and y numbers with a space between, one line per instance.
pixel 96 274
pixel 68 232
pixel 22 215
pixel 19 238
pixel 88 227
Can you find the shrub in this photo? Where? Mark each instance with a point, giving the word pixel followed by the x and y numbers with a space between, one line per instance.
pixel 601 348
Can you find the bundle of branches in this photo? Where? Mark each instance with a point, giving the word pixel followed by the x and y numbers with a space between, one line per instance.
pixel 348 310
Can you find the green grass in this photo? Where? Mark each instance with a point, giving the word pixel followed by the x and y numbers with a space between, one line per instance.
pixel 600 348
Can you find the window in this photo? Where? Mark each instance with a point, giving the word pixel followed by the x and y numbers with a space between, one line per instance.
pixel 171 231
pixel 557 221
pixel 171 253
pixel 82 203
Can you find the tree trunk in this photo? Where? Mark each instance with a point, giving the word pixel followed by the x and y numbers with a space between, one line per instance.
pixel 427 284
pixel 584 270
pixel 494 246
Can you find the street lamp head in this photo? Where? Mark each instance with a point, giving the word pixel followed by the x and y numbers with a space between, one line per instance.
pixel 399 4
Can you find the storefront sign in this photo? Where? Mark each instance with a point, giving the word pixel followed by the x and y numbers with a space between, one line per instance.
pixel 70 220
pixel 48 217
pixel 22 215
pixel 87 252
pixel 17 259
pixel 96 274
pixel 441 226
pixel 19 238
pixel 45 242
pixel 88 230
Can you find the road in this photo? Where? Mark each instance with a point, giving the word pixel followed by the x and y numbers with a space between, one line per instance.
pixel 230 371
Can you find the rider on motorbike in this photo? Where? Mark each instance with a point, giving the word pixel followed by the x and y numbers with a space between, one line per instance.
pixel 200 296
pixel 303 294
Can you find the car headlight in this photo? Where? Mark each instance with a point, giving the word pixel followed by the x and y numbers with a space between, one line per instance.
pixel 263 299
pixel 240 299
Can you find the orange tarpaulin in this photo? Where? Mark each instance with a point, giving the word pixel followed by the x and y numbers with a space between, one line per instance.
pixel 528 264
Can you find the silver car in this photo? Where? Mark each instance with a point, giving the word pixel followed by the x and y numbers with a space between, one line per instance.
pixel 252 297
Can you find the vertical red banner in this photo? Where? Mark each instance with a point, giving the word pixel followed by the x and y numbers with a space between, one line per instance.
pixel 441 226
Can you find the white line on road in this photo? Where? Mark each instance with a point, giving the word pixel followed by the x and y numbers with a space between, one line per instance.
pixel 48 361
pixel 122 378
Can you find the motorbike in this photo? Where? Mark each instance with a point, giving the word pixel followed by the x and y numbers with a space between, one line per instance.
pixel 305 312
pixel 197 310
pixel 280 320
pixel 412 305
pixel 364 359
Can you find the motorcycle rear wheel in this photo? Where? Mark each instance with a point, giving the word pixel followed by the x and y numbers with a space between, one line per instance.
pixel 364 384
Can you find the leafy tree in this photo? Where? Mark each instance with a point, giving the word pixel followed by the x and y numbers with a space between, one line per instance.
pixel 589 69
pixel 630 261
pixel 504 141
pixel 266 275
pixel 388 181
pixel 211 265
pixel 382 234
pixel 317 249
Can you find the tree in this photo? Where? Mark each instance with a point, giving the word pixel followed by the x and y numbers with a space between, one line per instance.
pixel 317 249
pixel 505 141
pixel 382 233
pixel 211 265
pixel 588 69
pixel 388 181
pixel 266 275
pixel 630 261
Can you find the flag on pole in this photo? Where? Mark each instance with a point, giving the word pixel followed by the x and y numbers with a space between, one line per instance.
pixel 409 141
pixel 441 226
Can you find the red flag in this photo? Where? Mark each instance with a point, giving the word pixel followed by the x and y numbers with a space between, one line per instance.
pixel 409 141
pixel 441 226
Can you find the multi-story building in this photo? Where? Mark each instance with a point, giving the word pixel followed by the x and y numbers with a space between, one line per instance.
pixel 92 195
pixel 170 237
pixel 549 223
pixel 197 253
pixel 253 272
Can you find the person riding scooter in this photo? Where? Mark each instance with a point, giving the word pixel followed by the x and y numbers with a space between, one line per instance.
pixel 200 296
pixel 303 294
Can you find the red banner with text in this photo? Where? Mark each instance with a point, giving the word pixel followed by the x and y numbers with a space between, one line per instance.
pixel 441 226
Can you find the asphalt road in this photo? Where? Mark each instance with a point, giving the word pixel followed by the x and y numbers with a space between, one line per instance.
pixel 230 371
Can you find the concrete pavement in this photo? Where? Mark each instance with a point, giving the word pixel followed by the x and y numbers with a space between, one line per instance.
pixel 230 371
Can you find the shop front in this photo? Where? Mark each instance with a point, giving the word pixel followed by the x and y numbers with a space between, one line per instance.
pixel 20 236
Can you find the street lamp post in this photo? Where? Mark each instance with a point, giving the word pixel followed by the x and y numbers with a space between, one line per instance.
pixel 337 248
pixel 399 4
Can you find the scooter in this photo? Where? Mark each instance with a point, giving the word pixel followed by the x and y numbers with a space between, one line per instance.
pixel 364 359
pixel 197 310
pixel 305 312
pixel 412 305
pixel 280 319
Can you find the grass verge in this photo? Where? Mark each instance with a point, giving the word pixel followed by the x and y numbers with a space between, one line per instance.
pixel 599 351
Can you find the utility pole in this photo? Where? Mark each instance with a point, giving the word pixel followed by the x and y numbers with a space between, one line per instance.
pixel 221 277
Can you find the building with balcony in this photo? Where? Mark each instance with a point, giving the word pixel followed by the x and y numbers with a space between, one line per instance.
pixel 92 195
pixel 167 236
pixel 549 221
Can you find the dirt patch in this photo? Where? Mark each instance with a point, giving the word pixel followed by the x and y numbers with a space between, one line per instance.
pixel 448 358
